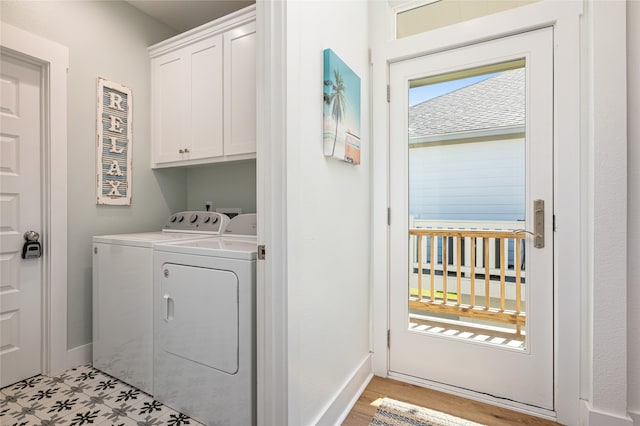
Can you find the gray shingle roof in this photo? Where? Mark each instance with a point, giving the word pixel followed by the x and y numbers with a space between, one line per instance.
pixel 498 101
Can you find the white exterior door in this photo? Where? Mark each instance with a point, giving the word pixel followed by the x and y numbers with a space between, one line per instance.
pixel 20 211
pixel 459 315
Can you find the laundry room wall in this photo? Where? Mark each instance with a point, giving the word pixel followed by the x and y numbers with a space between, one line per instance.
pixel 328 217
pixel 230 184
pixel 105 39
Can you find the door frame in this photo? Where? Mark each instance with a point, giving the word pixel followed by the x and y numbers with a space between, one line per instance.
pixel 564 17
pixel 53 59
pixel 271 164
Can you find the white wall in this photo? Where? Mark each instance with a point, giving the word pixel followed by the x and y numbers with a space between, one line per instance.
pixel 225 184
pixel 633 188
pixel 109 40
pixel 328 211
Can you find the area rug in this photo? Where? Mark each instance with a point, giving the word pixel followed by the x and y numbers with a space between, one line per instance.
pixel 397 413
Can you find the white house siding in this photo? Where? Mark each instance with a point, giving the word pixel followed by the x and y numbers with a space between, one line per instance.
pixel 468 181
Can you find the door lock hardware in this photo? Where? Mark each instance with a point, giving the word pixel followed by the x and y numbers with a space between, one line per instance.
pixel 32 249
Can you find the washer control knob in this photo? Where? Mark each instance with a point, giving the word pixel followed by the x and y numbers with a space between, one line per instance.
pixel 180 218
pixel 207 219
pixel 214 219
pixel 173 218
pixel 193 218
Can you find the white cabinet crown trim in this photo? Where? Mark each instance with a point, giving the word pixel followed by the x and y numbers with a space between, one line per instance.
pixel 220 25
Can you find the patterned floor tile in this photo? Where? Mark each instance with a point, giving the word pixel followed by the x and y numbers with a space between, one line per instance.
pixel 80 397
pixel 14 414
pixel 26 386
pixel 59 379
pixel 7 409
pixel 64 406
pixel 173 418
pixel 107 385
pixel 100 399
pixel 86 416
pixel 127 395
pixel 120 422
pixel 149 409
pixel 46 396
pixel 10 397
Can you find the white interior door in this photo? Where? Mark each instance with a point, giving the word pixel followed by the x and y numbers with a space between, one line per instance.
pixel 20 211
pixel 471 301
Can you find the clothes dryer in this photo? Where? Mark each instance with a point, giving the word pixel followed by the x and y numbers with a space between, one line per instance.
pixel 204 342
pixel 123 294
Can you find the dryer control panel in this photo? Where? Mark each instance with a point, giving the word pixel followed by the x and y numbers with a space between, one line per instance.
pixel 197 221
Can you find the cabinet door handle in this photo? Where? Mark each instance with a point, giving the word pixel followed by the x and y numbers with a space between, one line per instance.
pixel 186 150
pixel 181 151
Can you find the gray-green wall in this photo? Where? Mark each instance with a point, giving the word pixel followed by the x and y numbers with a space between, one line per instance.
pixel 109 39
pixel 224 184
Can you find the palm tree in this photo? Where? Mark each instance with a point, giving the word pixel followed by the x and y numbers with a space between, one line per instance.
pixel 336 101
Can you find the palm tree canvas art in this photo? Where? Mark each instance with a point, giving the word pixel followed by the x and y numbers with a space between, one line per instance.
pixel 341 110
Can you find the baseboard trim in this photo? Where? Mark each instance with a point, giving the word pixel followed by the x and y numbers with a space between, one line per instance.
pixel 635 415
pixel 591 417
pixel 79 355
pixel 338 409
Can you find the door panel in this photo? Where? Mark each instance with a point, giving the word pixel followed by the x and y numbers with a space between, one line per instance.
pixel 20 211
pixel 471 298
pixel 200 316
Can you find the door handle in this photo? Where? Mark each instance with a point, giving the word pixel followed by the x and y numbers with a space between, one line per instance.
pixel 169 308
pixel 538 224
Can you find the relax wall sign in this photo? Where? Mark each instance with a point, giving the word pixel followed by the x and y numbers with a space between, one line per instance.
pixel 114 142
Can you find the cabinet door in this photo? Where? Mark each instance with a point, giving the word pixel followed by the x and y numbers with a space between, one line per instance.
pixel 169 108
pixel 240 90
pixel 206 93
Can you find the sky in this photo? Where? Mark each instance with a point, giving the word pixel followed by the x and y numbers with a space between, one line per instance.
pixel 430 91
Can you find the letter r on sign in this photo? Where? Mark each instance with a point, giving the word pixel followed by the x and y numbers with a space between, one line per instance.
pixel 115 101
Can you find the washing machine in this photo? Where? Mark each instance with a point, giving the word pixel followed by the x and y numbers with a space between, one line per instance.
pixel 204 343
pixel 123 294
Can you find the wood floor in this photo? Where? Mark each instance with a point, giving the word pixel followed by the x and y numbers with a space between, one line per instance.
pixel 378 388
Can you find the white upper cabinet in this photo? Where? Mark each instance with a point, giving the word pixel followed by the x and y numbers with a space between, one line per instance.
pixel 203 100
pixel 240 84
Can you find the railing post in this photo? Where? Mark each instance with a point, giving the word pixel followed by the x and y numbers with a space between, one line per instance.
pixel 419 238
pixel 432 268
pixel 487 274
pixel 517 265
pixel 459 272
pixel 473 271
pixel 444 268
pixel 502 280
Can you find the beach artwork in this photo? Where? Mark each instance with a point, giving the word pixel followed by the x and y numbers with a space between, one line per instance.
pixel 341 110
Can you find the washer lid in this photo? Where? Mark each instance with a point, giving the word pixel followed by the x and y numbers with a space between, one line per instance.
pixel 145 239
pixel 226 247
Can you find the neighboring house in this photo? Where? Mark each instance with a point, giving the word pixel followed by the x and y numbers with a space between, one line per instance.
pixel 467 152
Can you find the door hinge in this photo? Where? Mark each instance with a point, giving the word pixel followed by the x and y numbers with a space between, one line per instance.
pixel 261 252
pixel 388 216
pixel 388 93
pixel 389 339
